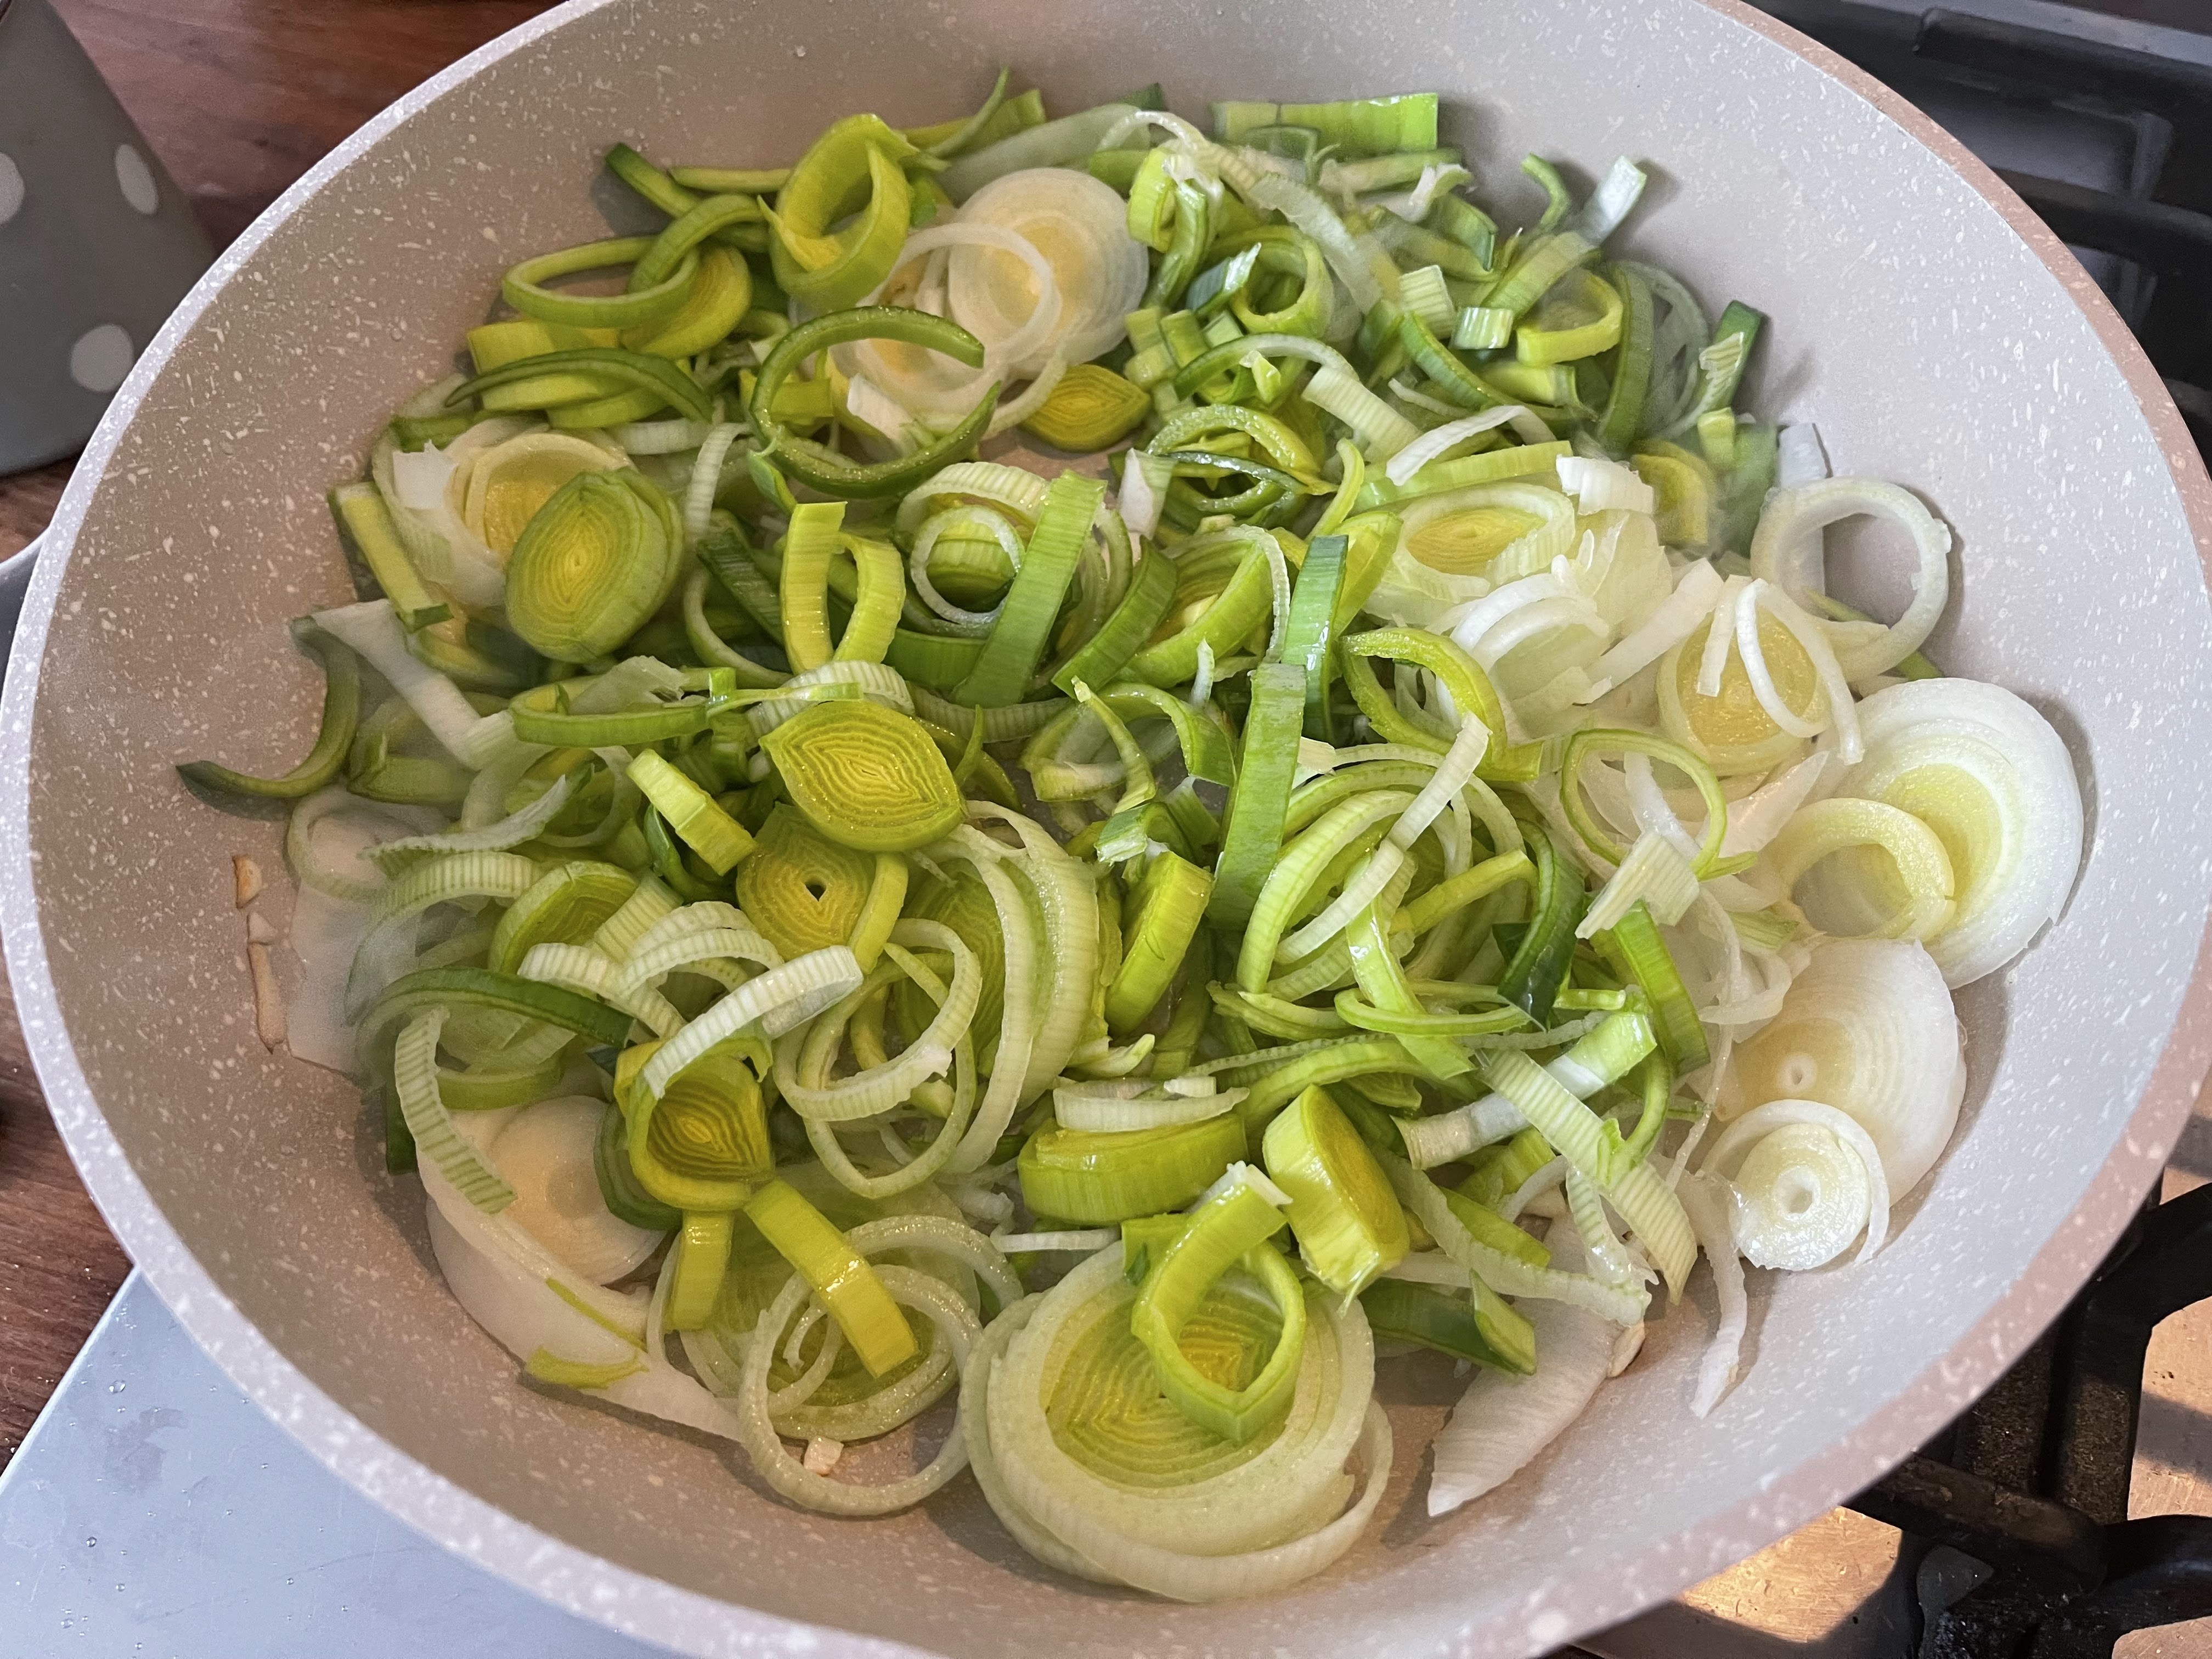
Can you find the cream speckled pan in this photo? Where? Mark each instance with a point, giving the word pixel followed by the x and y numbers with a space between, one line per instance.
pixel 1937 332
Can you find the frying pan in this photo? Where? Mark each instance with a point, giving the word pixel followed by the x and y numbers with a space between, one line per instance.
pixel 1938 334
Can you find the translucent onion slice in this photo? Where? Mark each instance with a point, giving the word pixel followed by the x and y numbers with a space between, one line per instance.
pixel 1503 1421
pixel 545 1154
pixel 1867 1028
pixel 1986 772
pixel 1787 549
pixel 937 389
pixel 1706 1201
pixel 1080 226
pixel 1807 1180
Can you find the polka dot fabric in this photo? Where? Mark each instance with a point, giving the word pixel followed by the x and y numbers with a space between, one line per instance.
pixel 96 246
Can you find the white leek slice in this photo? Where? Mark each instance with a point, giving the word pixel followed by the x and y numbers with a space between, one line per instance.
pixel 1786 551
pixel 1088 1109
pixel 1081 225
pixel 1262 1517
pixel 1807 1179
pixel 510 831
pixel 1383 433
pixel 1503 1421
pixel 1706 1202
pixel 1599 484
pixel 1509 1275
pixel 1868 1028
pixel 1986 772
pixel 373 629
pixel 780 998
pixel 1436 443
pixel 1654 872
pixel 1145 480
pixel 545 1153
pixel 1674 620
pixel 1084 1240
pixel 1616 194
pixel 415 1081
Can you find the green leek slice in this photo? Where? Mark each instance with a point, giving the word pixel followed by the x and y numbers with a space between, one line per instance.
pixel 1352 127
pixel 1018 641
pixel 702 1256
pixel 708 831
pixel 524 286
pixel 592 564
pixel 802 890
pixel 1349 1224
pixel 366 523
pixel 1229 1230
pixel 1538 966
pixel 702 1145
pixel 340 719
pixel 870 1322
pixel 866 776
pixel 1252 837
pixel 1143 608
pixel 823 469
pixel 852 169
pixel 1095 1179
pixel 1168 907
pixel 619 1184
pixel 1486 1329
pixel 564 906
pixel 1633 948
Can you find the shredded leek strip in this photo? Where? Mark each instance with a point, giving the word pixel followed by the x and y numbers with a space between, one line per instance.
pixel 333 737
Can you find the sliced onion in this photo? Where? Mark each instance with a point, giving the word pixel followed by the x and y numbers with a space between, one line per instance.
pixel 1503 1421
pixel 1080 226
pixel 1758 817
pixel 1706 1202
pixel 545 1153
pixel 1786 551
pixel 1673 621
pixel 1985 771
pixel 1868 1028
pixel 1808 1181
pixel 324 934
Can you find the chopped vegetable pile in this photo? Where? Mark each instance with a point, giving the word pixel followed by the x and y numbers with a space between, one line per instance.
pixel 1106 771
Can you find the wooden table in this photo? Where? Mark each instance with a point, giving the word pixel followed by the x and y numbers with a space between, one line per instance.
pixel 238 98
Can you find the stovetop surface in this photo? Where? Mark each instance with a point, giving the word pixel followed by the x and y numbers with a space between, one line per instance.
pixel 155 1512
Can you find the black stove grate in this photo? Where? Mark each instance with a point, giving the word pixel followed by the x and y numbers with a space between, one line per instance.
pixel 2164 232
pixel 2031 1480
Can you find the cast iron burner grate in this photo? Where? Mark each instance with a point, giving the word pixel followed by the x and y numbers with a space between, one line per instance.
pixel 2032 1481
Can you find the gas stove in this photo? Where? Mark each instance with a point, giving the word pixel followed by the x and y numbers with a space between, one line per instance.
pixel 155 1510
